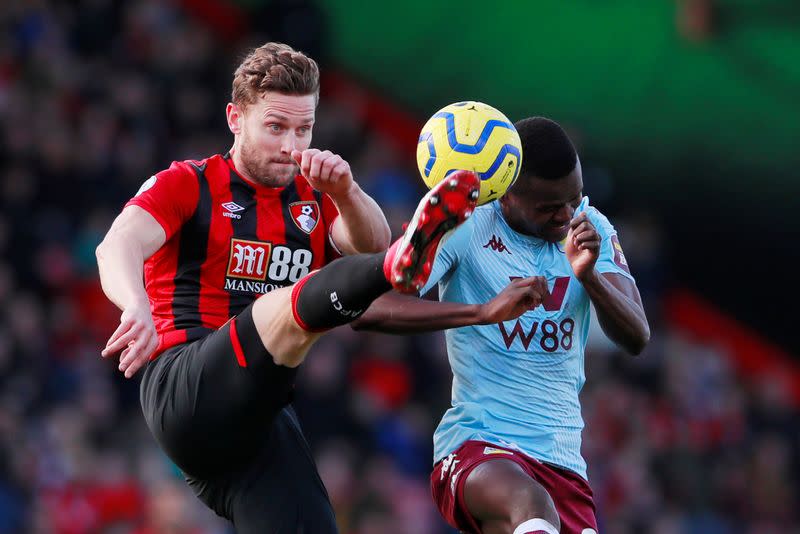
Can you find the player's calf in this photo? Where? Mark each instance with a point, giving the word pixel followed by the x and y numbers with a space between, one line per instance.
pixel 289 320
pixel 280 334
pixel 339 293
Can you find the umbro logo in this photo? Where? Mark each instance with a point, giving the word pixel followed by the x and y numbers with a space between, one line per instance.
pixel 231 209
pixel 496 244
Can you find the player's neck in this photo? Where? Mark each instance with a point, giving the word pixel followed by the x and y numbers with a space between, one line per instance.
pixel 239 166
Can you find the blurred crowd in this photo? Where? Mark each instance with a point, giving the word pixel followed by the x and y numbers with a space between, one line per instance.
pixel 95 96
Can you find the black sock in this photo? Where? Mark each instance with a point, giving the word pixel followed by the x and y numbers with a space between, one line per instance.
pixel 339 292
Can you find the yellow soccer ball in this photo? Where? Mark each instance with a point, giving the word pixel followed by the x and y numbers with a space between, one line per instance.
pixel 470 136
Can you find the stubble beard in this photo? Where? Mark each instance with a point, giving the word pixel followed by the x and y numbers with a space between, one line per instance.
pixel 266 172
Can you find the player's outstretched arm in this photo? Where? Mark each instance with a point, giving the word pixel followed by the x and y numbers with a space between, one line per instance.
pixel 361 226
pixel 401 314
pixel 134 236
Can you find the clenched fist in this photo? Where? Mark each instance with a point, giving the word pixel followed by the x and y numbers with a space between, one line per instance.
pixel 582 246
pixel 325 171
pixel 521 295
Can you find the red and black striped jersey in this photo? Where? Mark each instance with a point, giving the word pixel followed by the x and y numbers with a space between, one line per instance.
pixel 229 240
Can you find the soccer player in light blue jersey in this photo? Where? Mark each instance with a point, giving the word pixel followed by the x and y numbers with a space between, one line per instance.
pixel 507 452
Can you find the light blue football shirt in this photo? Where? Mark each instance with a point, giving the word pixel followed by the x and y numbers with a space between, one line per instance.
pixel 516 383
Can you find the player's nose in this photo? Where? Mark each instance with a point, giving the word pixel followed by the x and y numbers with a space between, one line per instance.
pixel 289 143
pixel 564 214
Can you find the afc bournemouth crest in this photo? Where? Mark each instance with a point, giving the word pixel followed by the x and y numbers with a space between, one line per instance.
pixel 305 214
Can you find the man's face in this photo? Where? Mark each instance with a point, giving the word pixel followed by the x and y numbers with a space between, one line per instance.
pixel 544 208
pixel 266 133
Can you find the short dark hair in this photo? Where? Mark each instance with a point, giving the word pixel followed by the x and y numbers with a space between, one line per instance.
pixel 547 151
pixel 274 67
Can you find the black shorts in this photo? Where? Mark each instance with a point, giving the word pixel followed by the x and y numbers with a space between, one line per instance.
pixel 227 423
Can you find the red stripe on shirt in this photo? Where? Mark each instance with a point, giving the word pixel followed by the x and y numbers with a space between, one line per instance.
pixel 169 339
pixel 270 226
pixel 159 276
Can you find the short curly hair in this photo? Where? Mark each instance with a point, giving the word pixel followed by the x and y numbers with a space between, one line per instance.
pixel 274 67
pixel 547 151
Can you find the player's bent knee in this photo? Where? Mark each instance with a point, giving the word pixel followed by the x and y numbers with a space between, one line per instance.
pixel 278 330
pixel 532 501
pixel 500 491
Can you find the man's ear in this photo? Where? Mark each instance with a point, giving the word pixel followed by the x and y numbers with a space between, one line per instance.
pixel 234 116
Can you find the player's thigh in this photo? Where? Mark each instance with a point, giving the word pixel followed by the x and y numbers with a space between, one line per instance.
pixel 500 494
pixel 209 402
pixel 284 493
pixel 279 331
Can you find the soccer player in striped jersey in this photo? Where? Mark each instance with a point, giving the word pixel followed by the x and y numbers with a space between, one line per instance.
pixel 507 452
pixel 219 268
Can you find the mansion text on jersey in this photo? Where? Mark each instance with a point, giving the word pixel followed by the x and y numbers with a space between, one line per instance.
pixel 250 286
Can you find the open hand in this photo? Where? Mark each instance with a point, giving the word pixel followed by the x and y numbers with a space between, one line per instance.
pixel 521 295
pixel 134 340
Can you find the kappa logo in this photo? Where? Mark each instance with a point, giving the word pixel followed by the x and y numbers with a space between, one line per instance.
pixel 449 463
pixel 453 480
pixel 496 244
pixel 305 214
pixel 231 210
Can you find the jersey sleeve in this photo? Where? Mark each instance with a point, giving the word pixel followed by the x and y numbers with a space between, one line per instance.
pixel 612 258
pixel 171 196
pixel 329 214
pixel 452 248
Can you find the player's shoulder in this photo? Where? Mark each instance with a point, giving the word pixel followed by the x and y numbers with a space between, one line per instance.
pixel 489 220
pixel 185 168
pixel 486 214
pixel 484 221
pixel 483 217
pixel 214 167
pixel 457 241
pixel 182 176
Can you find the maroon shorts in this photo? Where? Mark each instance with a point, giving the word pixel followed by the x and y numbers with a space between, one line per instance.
pixel 571 493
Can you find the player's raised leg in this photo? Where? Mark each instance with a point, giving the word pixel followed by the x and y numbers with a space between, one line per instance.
pixel 290 320
pixel 504 499
pixel 224 401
